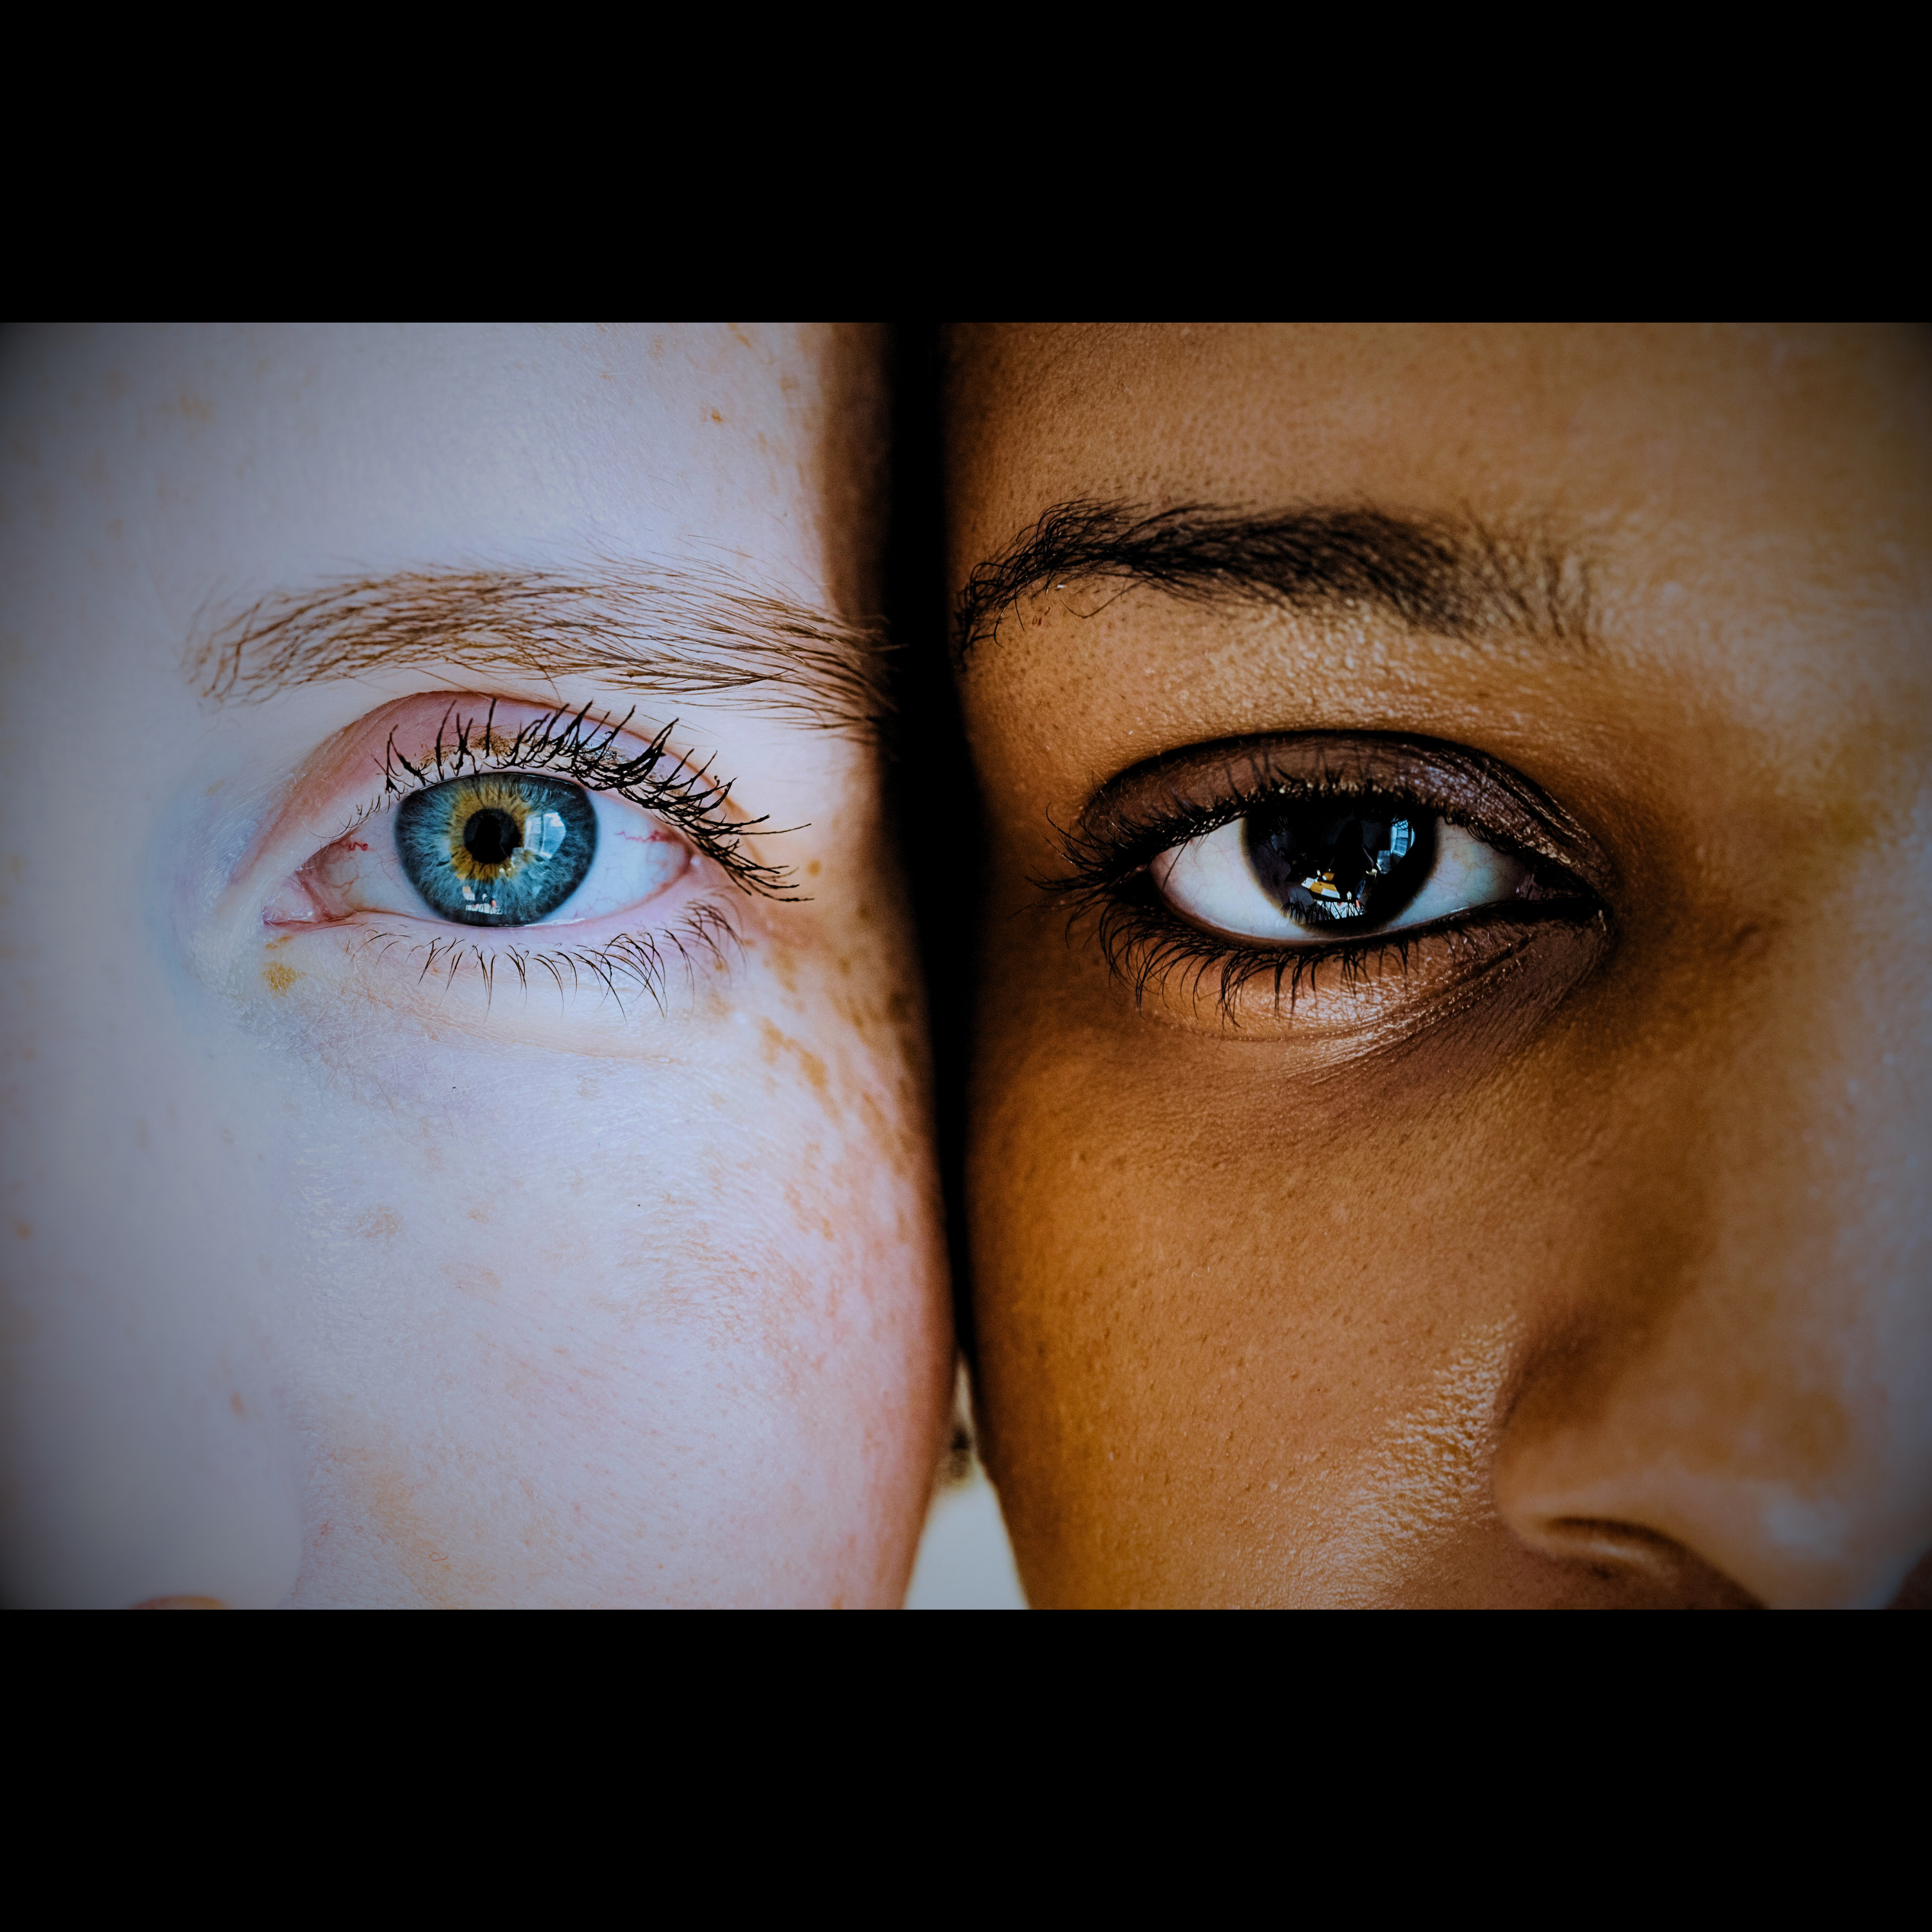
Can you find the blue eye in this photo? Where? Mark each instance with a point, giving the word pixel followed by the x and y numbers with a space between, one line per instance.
pixel 502 850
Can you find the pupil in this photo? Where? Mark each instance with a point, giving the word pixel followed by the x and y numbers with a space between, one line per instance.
pixel 490 836
pixel 1330 865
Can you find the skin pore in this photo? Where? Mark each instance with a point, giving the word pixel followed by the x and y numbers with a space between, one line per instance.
pixel 361 1254
pixel 1571 1248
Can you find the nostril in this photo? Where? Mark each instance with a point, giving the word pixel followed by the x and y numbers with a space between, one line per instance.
pixel 1665 1573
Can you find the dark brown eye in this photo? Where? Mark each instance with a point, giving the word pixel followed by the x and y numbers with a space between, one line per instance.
pixel 1330 864
pixel 1293 872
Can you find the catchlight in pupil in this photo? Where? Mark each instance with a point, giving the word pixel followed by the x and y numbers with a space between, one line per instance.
pixel 506 849
pixel 1331 863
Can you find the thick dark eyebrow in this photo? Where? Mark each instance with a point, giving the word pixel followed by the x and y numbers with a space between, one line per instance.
pixel 1455 576
pixel 668 631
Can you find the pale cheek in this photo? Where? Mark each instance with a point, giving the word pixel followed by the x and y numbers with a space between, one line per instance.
pixel 650 1296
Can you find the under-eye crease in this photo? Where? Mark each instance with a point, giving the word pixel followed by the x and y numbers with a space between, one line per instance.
pixel 1339 838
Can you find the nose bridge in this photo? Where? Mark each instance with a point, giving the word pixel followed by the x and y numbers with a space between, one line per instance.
pixel 1755 1387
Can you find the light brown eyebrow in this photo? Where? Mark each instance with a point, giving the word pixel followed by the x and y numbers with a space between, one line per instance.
pixel 669 631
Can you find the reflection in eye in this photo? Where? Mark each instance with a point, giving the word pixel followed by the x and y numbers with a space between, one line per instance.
pixel 503 849
pixel 1306 870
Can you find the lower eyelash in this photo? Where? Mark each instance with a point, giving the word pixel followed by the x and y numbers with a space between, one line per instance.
pixel 632 963
pixel 1146 946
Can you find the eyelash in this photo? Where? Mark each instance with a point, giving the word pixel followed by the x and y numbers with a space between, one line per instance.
pixel 580 748
pixel 573 745
pixel 637 959
pixel 1145 943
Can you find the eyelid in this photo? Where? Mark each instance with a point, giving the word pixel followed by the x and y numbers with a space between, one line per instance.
pixel 1179 795
pixel 396 746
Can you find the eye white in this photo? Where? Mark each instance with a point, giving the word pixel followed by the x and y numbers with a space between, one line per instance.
pixel 1211 881
pixel 637 859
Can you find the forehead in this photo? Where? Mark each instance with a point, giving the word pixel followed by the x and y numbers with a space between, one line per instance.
pixel 1752 507
pixel 1769 423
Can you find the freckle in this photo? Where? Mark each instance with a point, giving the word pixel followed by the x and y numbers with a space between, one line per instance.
pixel 215 787
pixel 480 1214
pixel 280 978
pixel 812 871
pixel 716 417
pixel 23 1232
pixel 236 1402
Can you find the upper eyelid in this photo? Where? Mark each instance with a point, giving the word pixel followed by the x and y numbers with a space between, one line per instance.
pixel 1465 787
pixel 343 783
pixel 386 791
pixel 681 788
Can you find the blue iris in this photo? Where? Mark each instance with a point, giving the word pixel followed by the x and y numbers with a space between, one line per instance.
pixel 500 849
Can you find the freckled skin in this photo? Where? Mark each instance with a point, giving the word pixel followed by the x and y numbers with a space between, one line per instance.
pixel 1608 1287
pixel 335 1280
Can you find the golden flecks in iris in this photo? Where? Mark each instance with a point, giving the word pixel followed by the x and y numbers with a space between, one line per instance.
pixel 485 794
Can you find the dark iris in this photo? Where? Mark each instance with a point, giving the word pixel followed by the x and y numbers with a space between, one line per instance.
pixel 1328 863
pixel 498 848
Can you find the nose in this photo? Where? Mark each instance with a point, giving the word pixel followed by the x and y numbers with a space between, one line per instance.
pixel 1741 1380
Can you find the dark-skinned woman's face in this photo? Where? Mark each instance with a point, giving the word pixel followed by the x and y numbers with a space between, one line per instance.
pixel 1449 1123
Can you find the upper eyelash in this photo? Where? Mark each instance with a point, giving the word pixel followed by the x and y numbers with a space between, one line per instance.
pixel 580 748
pixel 1143 942
pixel 1100 859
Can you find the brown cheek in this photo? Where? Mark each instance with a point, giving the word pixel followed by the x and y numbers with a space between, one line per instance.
pixel 1209 1267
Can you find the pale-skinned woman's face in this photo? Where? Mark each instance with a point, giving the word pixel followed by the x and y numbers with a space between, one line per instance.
pixel 1449 1123
pixel 465 1109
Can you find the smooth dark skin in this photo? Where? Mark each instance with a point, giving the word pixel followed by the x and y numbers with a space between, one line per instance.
pixel 1600 1281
